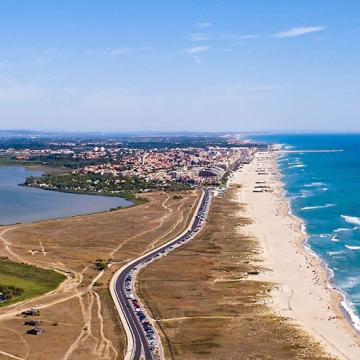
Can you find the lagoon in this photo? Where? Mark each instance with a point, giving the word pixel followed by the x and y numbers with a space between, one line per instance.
pixel 20 204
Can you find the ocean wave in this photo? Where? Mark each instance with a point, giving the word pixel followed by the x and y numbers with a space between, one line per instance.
pixel 349 308
pixel 335 239
pixel 331 253
pixel 350 282
pixel 346 303
pixel 351 219
pixel 305 193
pixel 315 184
pixel 303 228
pixel 352 247
pixel 344 229
pixel 296 166
pixel 288 147
pixel 317 207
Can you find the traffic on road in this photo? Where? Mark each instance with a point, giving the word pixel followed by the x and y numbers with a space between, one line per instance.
pixel 145 339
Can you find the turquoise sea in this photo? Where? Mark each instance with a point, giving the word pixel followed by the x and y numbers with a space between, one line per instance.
pixel 24 204
pixel 323 189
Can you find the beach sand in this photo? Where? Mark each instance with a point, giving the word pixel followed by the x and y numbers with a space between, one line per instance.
pixel 302 292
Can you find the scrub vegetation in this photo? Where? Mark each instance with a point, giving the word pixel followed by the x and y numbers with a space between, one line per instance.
pixel 209 302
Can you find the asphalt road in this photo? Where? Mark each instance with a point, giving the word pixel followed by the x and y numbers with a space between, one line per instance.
pixel 142 347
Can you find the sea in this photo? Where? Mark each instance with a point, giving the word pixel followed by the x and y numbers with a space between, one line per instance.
pixel 20 204
pixel 323 189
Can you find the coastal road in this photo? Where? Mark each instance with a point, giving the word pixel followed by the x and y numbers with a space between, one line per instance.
pixel 143 342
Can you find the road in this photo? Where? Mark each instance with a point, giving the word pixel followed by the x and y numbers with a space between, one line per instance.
pixel 143 342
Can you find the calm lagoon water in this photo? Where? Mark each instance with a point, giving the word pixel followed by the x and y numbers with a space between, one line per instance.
pixel 20 204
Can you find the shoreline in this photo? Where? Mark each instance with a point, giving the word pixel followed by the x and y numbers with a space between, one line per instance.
pixel 303 287
pixel 125 196
pixel 120 203
pixel 341 297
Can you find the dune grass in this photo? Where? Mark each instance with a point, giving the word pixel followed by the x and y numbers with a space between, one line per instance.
pixel 32 280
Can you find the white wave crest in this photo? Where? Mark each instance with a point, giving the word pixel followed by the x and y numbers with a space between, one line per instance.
pixel 343 229
pixel 331 253
pixel 317 207
pixel 349 308
pixel 351 219
pixel 305 193
pixel 352 247
pixel 297 166
pixel 315 184
pixel 350 282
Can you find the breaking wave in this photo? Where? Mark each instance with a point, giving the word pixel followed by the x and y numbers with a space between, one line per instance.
pixel 317 207
pixel 315 184
pixel 351 219
pixel 352 247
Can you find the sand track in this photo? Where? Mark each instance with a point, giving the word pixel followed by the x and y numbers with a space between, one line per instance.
pixel 89 336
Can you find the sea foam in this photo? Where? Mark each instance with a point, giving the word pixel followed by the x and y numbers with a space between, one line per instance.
pixel 344 229
pixel 351 219
pixel 331 253
pixel 317 207
pixel 349 308
pixel 315 184
pixel 352 247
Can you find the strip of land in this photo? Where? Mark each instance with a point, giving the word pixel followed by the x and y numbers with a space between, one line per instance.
pixel 302 292
pixel 208 298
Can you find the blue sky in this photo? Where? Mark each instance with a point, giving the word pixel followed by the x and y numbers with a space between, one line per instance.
pixel 185 65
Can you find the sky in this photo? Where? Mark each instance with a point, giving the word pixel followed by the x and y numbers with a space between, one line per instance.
pixel 196 65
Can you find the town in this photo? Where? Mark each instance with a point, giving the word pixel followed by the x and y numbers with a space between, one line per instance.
pixel 146 170
pixel 118 167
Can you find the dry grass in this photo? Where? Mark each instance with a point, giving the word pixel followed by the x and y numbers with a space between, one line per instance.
pixel 73 316
pixel 207 306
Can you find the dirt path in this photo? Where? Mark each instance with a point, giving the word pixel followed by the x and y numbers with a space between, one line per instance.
pixel 102 347
pixel 91 337
pixel 162 219
pixel 173 227
pixel 7 245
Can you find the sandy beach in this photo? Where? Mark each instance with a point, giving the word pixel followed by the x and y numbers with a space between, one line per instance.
pixel 302 292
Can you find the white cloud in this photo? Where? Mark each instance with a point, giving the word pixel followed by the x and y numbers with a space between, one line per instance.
pixel 220 36
pixel 197 49
pixel 197 59
pixel 199 36
pixel 299 31
pixel 118 51
pixel 203 25
pixel 290 33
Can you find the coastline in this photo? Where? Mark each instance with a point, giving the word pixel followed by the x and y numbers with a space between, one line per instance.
pixel 77 206
pixel 340 297
pixel 303 291
pixel 125 195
